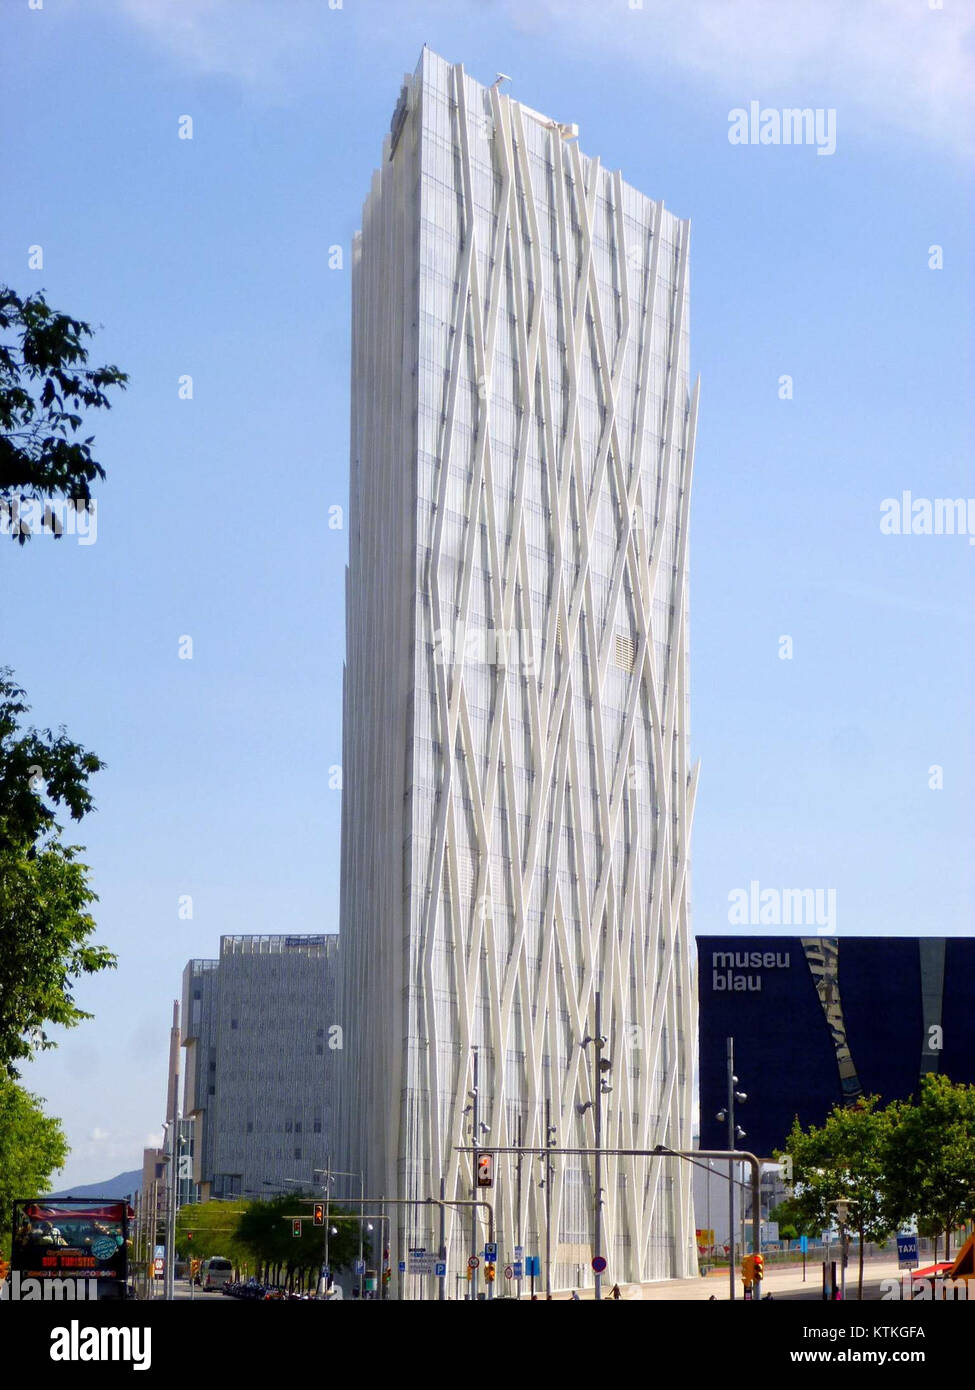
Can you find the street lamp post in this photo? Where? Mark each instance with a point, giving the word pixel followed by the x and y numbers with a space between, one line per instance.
pixel 734 1134
pixel 600 1087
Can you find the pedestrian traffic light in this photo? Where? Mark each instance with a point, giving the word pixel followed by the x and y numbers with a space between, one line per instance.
pixel 319 1216
pixel 489 1273
pixel 296 1228
pixel 485 1170
pixel 758 1266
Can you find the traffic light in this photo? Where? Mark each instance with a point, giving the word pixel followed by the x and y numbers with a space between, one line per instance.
pixel 748 1269
pixel 485 1170
pixel 296 1228
pixel 189 1235
pixel 319 1216
pixel 758 1266
pixel 489 1274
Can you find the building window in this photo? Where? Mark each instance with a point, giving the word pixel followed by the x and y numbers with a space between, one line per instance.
pixel 250 1126
pixel 297 1153
pixel 211 1090
pixel 233 1023
pixel 287 1128
pixel 318 1126
pixel 319 1050
pixel 297 1126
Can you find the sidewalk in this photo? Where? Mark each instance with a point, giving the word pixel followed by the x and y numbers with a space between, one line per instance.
pixel 780 1281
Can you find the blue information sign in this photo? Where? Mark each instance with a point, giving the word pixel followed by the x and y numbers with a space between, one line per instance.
pixel 533 1267
pixel 491 1252
pixel 803 1244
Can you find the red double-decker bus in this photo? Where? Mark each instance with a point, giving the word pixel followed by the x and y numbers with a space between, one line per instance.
pixel 71 1238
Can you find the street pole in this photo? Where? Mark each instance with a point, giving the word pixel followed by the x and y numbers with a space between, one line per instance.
pixel 598 1102
pixel 548 1198
pixel 477 1115
pixel 731 1168
pixel 519 1234
pixel 443 1241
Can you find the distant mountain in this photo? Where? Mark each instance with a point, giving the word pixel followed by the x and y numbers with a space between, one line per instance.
pixel 119 1186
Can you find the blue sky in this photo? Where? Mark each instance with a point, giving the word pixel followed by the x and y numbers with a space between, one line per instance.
pixel 210 257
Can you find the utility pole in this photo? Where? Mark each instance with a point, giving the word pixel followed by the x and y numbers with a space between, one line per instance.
pixel 731 1167
pixel 169 1288
pixel 597 1091
pixel 477 1116
pixel 548 1198
pixel 442 1283
pixel 734 1134
pixel 519 1242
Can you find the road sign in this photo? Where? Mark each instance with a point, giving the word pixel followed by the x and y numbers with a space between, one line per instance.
pixel 533 1267
pixel 473 1262
pixel 358 1266
pixel 402 1266
pixel 519 1251
pixel 422 1262
pixel 599 1264
pixel 518 1269
pixel 490 1252
pixel 803 1244
pixel 441 1269
pixel 907 1252
pixel 509 1272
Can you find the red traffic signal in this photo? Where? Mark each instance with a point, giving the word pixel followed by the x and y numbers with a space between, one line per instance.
pixel 189 1235
pixel 485 1170
pixel 489 1274
pixel 319 1214
pixel 758 1266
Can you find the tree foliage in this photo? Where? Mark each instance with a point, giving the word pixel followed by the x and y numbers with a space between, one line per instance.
pixel 32 1147
pixel 214 1227
pixel 844 1159
pixel 45 385
pixel 45 925
pixel 266 1232
pixel 930 1160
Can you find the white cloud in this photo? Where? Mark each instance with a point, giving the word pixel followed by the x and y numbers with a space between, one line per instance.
pixel 98 1136
pixel 891 63
pixel 888 65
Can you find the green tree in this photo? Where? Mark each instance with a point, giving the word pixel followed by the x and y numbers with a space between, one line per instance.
pixel 210 1228
pixel 32 1147
pixel 930 1158
pixel 45 926
pixel 45 384
pixel 265 1230
pixel 843 1160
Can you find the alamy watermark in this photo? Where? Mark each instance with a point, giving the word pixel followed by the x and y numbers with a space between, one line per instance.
pixel 755 906
pixel 792 125
pixel 59 516
pixel 928 516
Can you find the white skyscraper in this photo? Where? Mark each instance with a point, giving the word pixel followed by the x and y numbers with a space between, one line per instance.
pixel 518 799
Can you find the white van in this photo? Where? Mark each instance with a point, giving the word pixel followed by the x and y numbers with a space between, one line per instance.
pixel 215 1272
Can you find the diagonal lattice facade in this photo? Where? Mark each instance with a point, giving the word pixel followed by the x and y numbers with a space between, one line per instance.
pixel 518 798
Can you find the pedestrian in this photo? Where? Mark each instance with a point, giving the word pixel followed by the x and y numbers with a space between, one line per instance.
pixel 575 1297
pixel 616 1292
